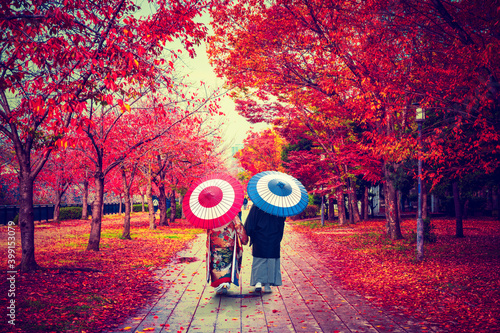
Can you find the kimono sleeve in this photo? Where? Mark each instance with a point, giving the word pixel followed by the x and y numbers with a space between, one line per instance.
pixel 240 230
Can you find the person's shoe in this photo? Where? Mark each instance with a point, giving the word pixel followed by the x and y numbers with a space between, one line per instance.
pixel 258 287
pixel 222 291
pixel 267 289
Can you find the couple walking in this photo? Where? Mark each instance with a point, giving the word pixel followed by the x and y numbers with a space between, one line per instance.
pixel 264 233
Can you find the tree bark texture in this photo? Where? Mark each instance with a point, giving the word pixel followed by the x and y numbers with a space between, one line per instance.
pixel 353 202
pixel 27 224
pixel 151 208
pixel 331 209
pixel 425 207
pixel 341 207
pixel 27 176
pixel 349 208
pixel 173 206
pixel 365 204
pixel 162 205
pixel 459 230
pixel 121 203
pixel 399 204
pixel 95 225
pixel 85 213
pixel 126 195
pixel 57 208
pixel 181 199
pixel 391 213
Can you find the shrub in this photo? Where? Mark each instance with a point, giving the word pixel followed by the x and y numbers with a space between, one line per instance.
pixel 311 211
pixel 70 213
pixel 429 235
pixel 178 211
pixel 138 208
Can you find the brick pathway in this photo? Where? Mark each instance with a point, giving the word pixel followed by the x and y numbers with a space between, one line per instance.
pixel 309 300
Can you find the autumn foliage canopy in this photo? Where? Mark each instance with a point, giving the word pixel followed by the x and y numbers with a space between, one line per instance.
pixel 348 76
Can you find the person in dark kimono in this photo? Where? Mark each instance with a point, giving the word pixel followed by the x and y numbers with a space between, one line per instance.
pixel 225 254
pixel 265 232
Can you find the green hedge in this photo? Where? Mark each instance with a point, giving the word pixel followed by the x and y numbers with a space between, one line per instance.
pixel 311 211
pixel 429 235
pixel 138 208
pixel 178 211
pixel 70 213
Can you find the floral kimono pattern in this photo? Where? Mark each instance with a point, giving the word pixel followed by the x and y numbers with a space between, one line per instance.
pixel 225 253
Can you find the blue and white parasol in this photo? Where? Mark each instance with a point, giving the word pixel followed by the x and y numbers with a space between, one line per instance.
pixel 277 193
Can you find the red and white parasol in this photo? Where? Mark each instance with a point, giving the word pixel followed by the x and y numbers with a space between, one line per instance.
pixel 213 201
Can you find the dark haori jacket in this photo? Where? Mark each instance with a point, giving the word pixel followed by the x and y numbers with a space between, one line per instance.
pixel 265 232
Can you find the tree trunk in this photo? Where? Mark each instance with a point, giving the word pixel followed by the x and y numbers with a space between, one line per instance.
pixel 341 207
pixel 349 207
pixel 27 224
pixel 162 205
pixel 126 195
pixel 85 208
pixel 142 202
pixel 121 203
pixel 57 207
pixel 391 213
pixel 353 201
pixel 126 220
pixel 458 211
pixel 425 207
pixel 151 208
pixel 322 210
pixel 387 226
pixel 173 207
pixel 95 226
pixel 181 199
pixel 365 204
pixel 498 203
pixel 398 204
pixel 331 209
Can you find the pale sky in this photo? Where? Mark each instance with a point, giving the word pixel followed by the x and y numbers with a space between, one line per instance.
pixel 236 126
pixel 199 69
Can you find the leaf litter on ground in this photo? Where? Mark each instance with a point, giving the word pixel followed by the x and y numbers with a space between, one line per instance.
pixel 456 286
pixel 86 291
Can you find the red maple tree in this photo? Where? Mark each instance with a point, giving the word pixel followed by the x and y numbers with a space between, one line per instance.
pixel 61 59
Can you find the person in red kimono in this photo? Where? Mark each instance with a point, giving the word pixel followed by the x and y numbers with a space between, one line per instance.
pixel 225 255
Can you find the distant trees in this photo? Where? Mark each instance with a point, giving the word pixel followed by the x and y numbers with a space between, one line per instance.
pixel 262 151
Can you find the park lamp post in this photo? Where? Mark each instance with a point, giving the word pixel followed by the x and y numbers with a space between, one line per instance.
pixel 420 117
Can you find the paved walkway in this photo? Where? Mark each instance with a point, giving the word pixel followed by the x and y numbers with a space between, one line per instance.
pixel 309 300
